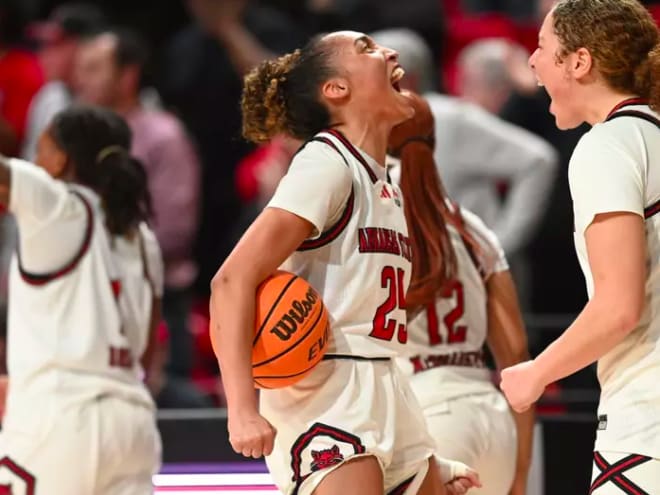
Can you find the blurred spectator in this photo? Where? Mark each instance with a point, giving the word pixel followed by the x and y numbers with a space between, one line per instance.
pixel 480 154
pixel 484 77
pixel 20 78
pixel 554 290
pixel 108 72
pixel 59 38
pixel 203 82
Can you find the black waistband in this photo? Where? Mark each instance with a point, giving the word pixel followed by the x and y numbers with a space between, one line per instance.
pixel 327 357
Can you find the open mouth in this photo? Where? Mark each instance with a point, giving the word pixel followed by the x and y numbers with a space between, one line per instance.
pixel 396 76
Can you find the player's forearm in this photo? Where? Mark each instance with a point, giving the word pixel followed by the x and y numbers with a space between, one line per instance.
pixel 232 319
pixel 601 325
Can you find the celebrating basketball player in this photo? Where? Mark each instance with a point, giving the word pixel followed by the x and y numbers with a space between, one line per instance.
pixel 461 296
pixel 352 425
pixel 599 60
pixel 83 299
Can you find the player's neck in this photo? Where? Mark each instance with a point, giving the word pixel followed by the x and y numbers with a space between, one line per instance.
pixel 601 102
pixel 370 138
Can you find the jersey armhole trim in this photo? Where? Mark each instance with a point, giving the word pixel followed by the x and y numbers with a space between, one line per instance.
pixel 338 227
pixel 39 279
pixel 651 210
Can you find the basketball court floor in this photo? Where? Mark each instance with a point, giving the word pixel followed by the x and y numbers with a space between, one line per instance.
pixel 205 479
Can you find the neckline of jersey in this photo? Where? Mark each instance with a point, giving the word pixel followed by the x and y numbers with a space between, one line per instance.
pixel 628 102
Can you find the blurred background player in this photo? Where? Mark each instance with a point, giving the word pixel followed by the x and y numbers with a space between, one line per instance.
pixel 596 72
pixel 461 297
pixel 499 171
pixel 85 291
pixel 109 72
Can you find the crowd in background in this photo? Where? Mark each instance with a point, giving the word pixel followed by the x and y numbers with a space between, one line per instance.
pixel 173 69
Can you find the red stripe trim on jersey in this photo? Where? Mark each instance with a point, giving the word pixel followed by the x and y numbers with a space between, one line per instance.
pixel 358 156
pixel 42 279
pixel 335 230
pixel 649 211
pixel 635 113
pixel 627 103
pixel 652 210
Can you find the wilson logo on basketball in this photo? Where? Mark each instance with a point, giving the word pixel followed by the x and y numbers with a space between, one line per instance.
pixel 299 311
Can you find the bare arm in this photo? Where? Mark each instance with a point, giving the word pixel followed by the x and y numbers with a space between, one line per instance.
pixel 616 245
pixel 507 341
pixel 269 241
pixel 616 250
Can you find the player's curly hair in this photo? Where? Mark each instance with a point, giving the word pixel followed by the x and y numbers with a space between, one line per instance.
pixel 282 96
pixel 427 208
pixel 622 38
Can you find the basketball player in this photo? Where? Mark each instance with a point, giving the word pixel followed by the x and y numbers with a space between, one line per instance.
pixel 599 60
pixel 461 296
pixel 351 426
pixel 83 288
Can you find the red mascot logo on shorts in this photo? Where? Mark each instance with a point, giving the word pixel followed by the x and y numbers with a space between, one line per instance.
pixel 322 458
pixel 309 455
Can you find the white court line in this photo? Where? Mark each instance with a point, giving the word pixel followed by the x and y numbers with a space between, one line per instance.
pixel 227 491
pixel 225 479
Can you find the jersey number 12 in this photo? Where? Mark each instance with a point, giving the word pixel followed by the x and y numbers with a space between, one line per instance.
pixel 455 333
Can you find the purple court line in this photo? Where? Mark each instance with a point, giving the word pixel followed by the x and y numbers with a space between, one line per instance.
pixel 215 468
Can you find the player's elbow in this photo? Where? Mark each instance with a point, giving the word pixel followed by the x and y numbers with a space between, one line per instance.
pixel 625 314
pixel 222 280
pixel 628 319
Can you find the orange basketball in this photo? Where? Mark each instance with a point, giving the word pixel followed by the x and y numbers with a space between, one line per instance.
pixel 291 331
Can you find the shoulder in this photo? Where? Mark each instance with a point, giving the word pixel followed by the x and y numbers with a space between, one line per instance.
pixel 614 142
pixel 477 226
pixel 320 155
pixel 494 258
pixel 148 235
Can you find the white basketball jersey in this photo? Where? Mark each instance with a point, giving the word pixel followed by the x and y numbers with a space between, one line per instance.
pixel 447 337
pixel 616 167
pixel 360 264
pixel 79 332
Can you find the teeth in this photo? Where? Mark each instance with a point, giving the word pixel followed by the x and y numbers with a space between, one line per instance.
pixel 397 74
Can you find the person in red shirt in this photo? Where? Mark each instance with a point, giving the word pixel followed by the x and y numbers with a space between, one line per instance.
pixel 20 78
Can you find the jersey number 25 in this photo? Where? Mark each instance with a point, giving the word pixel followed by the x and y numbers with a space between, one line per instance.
pixel 383 327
